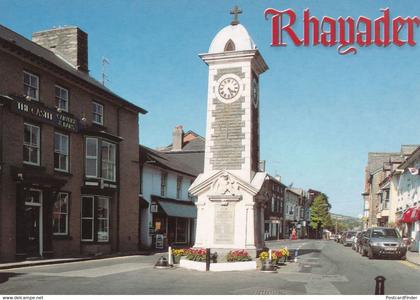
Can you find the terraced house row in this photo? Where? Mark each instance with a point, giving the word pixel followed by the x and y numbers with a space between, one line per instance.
pixel 392 191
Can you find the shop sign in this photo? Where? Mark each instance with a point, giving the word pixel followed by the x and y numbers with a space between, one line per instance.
pixel 45 115
pixel 159 241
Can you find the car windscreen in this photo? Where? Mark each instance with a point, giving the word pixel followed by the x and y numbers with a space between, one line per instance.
pixel 385 233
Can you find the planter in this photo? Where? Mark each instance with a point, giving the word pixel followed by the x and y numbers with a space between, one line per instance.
pixel 281 260
pixel 176 259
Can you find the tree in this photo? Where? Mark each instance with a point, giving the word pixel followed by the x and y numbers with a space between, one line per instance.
pixel 320 216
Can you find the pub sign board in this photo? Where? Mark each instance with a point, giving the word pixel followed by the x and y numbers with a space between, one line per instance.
pixel 45 114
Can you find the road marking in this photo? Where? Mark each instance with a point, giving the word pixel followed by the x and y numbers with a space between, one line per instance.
pixel 409 264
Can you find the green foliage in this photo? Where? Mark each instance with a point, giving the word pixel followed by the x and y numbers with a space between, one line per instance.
pixel 320 212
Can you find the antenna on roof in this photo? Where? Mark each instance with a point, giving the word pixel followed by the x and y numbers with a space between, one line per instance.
pixel 105 62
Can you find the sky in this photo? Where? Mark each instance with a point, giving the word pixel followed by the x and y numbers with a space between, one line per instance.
pixel 321 112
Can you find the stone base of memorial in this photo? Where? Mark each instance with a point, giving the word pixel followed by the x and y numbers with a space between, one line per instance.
pixel 218 267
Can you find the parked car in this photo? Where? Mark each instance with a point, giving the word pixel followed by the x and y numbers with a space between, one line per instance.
pixel 383 241
pixel 332 237
pixel 354 240
pixel 348 238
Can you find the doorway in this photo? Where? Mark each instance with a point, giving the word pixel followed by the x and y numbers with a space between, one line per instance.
pixel 33 223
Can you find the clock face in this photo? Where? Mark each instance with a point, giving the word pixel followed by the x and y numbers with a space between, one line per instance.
pixel 255 92
pixel 228 88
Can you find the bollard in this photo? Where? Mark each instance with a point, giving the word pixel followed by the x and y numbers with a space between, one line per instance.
pixel 269 254
pixel 380 285
pixel 170 256
pixel 296 255
pixel 208 259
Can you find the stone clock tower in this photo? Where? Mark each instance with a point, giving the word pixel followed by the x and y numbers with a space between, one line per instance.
pixel 229 206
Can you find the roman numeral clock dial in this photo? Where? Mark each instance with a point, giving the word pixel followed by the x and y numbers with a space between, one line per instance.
pixel 228 88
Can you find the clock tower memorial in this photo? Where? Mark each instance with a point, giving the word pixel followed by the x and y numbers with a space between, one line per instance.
pixel 230 212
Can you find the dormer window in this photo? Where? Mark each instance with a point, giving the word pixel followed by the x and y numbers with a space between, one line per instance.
pixel 230 46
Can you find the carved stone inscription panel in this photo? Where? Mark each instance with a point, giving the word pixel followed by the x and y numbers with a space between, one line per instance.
pixel 224 228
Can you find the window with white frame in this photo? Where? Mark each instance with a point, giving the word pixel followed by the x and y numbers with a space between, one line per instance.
pixel 95 210
pixel 61 214
pixel 31 85
pixel 100 159
pixel 91 161
pixel 87 218
pixel 62 98
pixel 108 154
pixel 31 144
pixel 163 183
pixel 98 113
pixel 179 187
pixel 61 152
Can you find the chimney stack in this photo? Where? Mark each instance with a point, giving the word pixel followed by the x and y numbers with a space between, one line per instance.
pixel 71 43
pixel 177 138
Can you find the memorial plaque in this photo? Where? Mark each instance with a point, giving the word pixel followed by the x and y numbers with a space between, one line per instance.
pixel 224 224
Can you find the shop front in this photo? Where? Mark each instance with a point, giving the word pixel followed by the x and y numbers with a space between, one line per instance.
pixel 273 229
pixel 172 222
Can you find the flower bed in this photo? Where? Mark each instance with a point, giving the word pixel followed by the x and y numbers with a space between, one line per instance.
pixel 238 255
pixel 196 254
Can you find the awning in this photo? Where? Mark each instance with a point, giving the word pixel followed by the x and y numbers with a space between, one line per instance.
pixel 407 215
pixel 178 210
pixel 417 214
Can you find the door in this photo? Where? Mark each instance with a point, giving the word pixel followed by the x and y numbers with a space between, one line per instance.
pixel 32 230
pixel 33 223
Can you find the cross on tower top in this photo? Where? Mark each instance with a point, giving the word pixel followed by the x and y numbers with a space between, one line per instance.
pixel 235 12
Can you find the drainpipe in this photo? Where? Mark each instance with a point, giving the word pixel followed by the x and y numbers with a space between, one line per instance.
pixel 1 139
pixel 119 180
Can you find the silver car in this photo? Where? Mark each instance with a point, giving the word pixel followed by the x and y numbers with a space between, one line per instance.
pixel 347 238
pixel 383 241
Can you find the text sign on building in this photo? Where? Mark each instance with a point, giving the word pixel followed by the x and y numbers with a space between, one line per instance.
pixel 224 224
pixel 46 115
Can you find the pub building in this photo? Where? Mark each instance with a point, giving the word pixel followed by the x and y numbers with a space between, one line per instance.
pixel 69 163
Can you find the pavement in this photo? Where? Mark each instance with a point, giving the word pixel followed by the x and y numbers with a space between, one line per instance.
pixel 413 257
pixel 52 261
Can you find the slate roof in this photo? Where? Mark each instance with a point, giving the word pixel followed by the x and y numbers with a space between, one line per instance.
pixel 14 39
pixel 188 162
pixel 376 160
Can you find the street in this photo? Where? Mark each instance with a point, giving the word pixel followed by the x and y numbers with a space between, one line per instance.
pixel 322 267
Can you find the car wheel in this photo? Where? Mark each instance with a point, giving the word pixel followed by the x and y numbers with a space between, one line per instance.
pixel 403 257
pixel 363 252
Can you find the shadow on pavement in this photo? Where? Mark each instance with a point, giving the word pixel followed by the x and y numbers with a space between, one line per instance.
pixel 302 252
pixel 4 276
